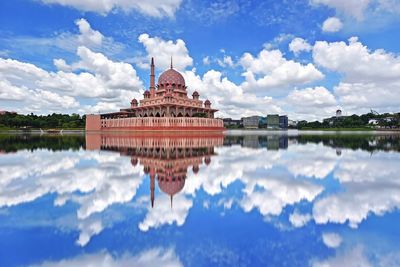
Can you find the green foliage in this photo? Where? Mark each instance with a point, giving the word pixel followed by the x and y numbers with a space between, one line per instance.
pixel 43 121
pixel 353 121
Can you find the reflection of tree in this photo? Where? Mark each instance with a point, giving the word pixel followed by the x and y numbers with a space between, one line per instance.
pixel 12 143
pixel 364 142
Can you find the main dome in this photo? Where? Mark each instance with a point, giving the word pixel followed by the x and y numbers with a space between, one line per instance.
pixel 171 76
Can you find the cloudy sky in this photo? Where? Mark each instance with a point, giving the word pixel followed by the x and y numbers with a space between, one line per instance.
pixel 304 58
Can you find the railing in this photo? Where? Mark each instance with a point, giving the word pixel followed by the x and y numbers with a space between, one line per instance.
pixel 161 122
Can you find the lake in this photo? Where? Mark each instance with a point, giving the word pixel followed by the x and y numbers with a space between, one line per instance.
pixel 240 199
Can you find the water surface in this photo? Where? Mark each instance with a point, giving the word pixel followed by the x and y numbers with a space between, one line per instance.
pixel 236 200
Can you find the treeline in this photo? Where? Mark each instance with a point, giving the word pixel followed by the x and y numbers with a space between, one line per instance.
pixel 13 143
pixel 354 121
pixel 62 121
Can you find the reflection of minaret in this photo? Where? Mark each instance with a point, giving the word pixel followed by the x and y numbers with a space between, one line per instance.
pixel 152 78
pixel 152 187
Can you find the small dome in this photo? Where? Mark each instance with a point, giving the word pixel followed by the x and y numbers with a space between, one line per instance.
pixel 171 76
pixel 207 160
pixel 171 187
pixel 147 92
pixel 207 102
pixel 134 100
pixel 195 93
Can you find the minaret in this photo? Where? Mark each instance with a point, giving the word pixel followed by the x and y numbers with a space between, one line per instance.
pixel 152 79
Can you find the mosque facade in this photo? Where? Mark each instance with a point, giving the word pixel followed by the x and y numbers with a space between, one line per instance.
pixel 165 106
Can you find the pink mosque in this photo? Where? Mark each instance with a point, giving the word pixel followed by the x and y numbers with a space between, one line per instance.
pixel 165 107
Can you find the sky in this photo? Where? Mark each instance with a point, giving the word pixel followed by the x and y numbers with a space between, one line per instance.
pixel 302 58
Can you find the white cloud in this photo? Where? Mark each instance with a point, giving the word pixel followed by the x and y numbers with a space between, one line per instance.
pixel 152 257
pixel 228 97
pixel 275 71
pixel 155 8
pixel 299 220
pixel 206 60
pixel 40 91
pixel 88 36
pixel 162 213
pixel 298 45
pixel 371 78
pixel 312 103
pixel 109 179
pixel 332 24
pixel 368 188
pixel 353 257
pixel 162 51
pixel 354 8
pixel 226 61
pixel 331 240
pixel 361 9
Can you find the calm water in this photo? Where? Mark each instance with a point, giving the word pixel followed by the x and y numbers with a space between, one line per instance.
pixel 253 200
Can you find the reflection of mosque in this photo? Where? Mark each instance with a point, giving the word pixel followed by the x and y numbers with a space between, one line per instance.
pixel 165 159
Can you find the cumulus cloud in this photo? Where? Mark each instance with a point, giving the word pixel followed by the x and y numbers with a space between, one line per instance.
pixel 312 103
pixel 158 8
pixel 162 51
pixel 332 24
pixel 371 78
pixel 88 36
pixel 229 97
pixel 299 220
pixel 40 91
pixel 270 70
pixel 298 45
pixel 152 257
pixel 331 240
pixel 226 61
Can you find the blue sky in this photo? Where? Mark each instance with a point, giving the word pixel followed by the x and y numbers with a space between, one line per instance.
pixel 304 58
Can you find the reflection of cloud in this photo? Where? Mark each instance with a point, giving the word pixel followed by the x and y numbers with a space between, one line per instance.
pixel 354 257
pixel 370 184
pixel 271 194
pixel 311 160
pixel 299 220
pixel 162 212
pixel 331 240
pixel 153 257
pixel 94 181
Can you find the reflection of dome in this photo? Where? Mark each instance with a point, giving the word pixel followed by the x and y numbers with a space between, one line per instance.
pixel 134 161
pixel 171 76
pixel 207 160
pixel 171 187
pixel 195 169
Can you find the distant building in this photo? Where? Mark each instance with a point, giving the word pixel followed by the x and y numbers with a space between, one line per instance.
pixel 338 113
pixel 251 122
pixel 373 122
pixel 283 122
pixel 292 123
pixel 229 122
pixel 5 112
pixel 273 121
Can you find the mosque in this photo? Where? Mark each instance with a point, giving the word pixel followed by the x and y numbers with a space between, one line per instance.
pixel 164 107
